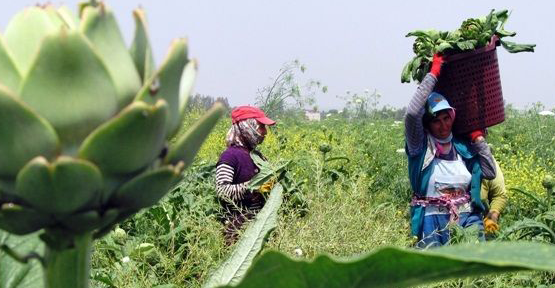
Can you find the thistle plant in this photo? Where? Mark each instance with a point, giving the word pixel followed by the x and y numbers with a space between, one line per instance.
pixel 84 130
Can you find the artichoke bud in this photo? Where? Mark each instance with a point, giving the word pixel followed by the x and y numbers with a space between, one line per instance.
pixel 325 148
pixel 119 235
pixel 548 182
pixel 99 115
pixel 471 29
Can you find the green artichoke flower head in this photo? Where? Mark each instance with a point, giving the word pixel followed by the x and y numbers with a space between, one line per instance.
pixel 84 120
pixel 471 29
pixel 423 46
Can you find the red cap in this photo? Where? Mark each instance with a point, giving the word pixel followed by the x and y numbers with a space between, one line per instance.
pixel 246 112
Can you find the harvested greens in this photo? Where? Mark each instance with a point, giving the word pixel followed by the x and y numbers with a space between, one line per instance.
pixel 473 34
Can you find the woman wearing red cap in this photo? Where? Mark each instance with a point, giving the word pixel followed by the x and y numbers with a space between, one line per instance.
pixel 235 169
pixel 445 171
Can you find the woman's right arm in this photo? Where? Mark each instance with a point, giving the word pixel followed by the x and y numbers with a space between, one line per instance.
pixel 414 129
pixel 224 188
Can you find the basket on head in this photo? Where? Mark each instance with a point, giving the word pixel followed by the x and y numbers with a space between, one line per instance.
pixel 471 83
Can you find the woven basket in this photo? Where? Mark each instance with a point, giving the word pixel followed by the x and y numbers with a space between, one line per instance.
pixel 471 83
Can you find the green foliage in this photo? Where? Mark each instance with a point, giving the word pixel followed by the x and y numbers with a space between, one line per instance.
pixel 232 270
pixel 394 267
pixel 542 226
pixel 17 275
pixel 363 210
pixel 472 34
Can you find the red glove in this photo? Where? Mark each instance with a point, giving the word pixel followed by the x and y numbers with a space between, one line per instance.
pixel 437 62
pixel 475 134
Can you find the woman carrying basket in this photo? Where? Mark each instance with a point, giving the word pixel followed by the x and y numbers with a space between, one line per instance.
pixel 445 171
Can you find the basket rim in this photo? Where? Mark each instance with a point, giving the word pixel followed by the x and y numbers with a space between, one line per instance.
pixel 492 45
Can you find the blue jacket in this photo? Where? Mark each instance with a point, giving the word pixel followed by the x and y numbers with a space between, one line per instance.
pixel 420 171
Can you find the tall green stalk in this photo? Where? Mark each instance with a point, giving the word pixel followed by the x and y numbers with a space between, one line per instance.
pixel 69 268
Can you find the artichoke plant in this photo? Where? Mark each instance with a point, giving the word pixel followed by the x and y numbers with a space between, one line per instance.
pixel 84 129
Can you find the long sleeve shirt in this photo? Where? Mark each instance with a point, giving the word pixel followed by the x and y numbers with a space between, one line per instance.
pixel 234 170
pixel 493 191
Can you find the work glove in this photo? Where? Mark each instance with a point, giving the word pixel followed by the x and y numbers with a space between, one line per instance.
pixel 490 223
pixel 437 62
pixel 267 187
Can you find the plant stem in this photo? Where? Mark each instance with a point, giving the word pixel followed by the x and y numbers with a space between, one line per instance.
pixel 69 268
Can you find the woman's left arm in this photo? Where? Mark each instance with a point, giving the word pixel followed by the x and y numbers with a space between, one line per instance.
pixel 486 159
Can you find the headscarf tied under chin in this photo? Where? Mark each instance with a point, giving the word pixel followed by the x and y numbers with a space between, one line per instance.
pixel 244 133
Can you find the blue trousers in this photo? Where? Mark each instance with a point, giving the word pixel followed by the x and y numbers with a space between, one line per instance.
pixel 435 230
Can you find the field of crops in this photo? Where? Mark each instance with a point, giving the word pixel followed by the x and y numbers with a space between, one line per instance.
pixel 350 205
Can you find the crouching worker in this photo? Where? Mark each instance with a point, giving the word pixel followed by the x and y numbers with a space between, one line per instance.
pixel 235 169
pixel 445 172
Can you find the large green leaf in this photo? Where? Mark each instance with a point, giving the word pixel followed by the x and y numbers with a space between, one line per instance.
pixel 9 75
pixel 17 275
pixel 61 187
pixel 19 124
pixel 27 30
pixel 396 267
pixel 141 50
pixel 99 25
pixel 250 244
pixel 129 141
pixel 69 86
pixel 513 47
pixel 165 83
pixel 187 146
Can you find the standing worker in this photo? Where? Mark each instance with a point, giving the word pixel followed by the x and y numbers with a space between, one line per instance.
pixel 235 169
pixel 445 171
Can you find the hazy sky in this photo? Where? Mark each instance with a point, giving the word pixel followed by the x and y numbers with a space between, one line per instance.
pixel 348 45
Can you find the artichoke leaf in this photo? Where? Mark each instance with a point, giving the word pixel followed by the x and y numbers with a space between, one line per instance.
pixel 89 220
pixel 129 141
pixel 185 88
pixel 69 86
pixel 68 17
pixel 20 124
pixel 513 47
pixel 9 75
pixel 99 25
pixel 26 30
pixel 140 50
pixel 147 189
pixel 62 187
pixel 186 147
pixel 165 83
pixel 20 220
pixel 444 46
pixel 467 45
pixel 406 74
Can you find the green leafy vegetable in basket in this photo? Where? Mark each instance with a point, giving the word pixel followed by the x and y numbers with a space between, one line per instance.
pixel 474 33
